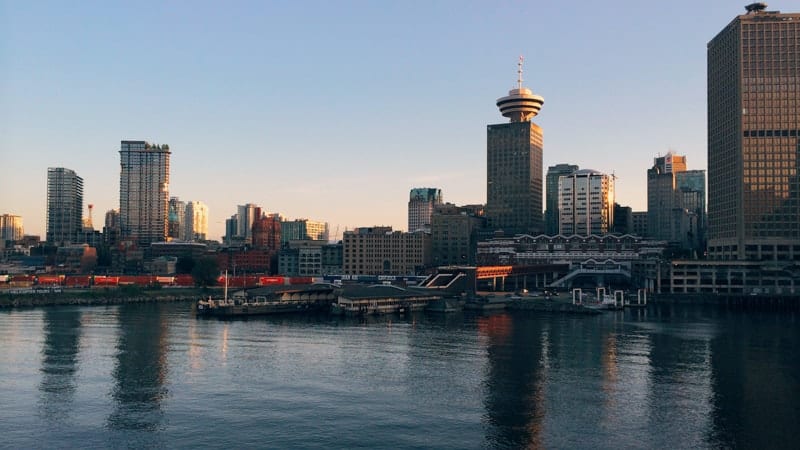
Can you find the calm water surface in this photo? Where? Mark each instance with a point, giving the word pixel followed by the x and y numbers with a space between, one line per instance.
pixel 155 376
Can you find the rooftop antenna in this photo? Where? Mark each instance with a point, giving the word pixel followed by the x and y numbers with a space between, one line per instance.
pixel 519 71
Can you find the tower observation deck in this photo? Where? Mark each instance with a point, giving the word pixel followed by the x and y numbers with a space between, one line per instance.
pixel 521 104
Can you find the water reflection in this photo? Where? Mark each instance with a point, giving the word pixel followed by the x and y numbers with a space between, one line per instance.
pixel 140 370
pixel 515 382
pixel 62 335
pixel 755 382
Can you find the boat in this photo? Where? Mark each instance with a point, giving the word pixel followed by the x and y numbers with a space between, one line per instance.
pixel 269 300
pixel 489 303
pixel 444 305
pixel 381 299
pixel 262 307
pixel 205 307
pixel 606 302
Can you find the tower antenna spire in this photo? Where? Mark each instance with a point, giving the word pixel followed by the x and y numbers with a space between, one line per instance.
pixel 521 104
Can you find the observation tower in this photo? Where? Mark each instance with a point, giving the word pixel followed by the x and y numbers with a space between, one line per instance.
pixel 514 173
pixel 521 104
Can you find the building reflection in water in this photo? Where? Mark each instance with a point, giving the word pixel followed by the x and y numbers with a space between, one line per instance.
pixel 755 407
pixel 141 369
pixel 62 335
pixel 515 382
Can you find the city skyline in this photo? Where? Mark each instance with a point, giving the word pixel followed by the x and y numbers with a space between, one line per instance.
pixel 234 103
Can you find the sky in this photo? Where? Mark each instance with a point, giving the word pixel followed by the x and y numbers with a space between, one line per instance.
pixel 333 111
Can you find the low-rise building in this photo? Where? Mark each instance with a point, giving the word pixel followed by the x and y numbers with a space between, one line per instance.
pixel 595 256
pixel 381 251
pixel 301 258
pixel 246 260
pixel 728 277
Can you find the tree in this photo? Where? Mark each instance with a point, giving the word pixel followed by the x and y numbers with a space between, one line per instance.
pixel 205 271
pixel 185 264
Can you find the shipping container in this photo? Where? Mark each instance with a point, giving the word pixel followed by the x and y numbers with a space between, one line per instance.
pixel 270 281
pixel 300 280
pixel 184 280
pixel 23 278
pixel 136 280
pixel 165 281
pixel 50 280
pixel 77 281
pixel 100 280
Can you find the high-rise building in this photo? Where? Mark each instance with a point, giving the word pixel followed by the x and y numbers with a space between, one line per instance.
pixel 10 228
pixel 664 209
pixel 514 164
pixel 266 233
pixel 176 218
pixel 64 206
pixel 623 219
pixel 144 191
pixel 551 195
pixel 754 137
pixel 586 203
pixel 231 229
pixel 691 188
pixel 303 229
pixel 111 227
pixel 639 221
pixel 246 215
pixel 196 221
pixel 421 202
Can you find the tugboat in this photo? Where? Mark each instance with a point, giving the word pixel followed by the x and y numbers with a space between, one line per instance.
pixel 205 307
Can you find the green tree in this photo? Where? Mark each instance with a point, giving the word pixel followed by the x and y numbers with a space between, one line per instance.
pixel 205 271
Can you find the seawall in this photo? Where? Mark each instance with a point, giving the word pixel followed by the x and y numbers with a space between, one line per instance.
pixel 91 299
pixel 755 302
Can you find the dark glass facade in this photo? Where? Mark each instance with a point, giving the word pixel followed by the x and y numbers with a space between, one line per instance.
pixel 551 195
pixel 514 177
pixel 753 129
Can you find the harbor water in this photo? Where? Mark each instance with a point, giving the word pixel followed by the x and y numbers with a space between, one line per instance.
pixel 155 376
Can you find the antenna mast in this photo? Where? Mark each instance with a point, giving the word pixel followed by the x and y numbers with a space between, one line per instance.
pixel 519 71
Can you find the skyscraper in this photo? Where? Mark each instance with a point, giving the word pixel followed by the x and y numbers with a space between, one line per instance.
pixel 111 228
pixel 586 203
pixel 144 191
pixel 691 188
pixel 64 206
pixel 231 229
pixel 247 215
pixel 551 195
pixel 196 221
pixel 176 218
pixel 664 209
pixel 514 164
pixel 421 202
pixel 753 130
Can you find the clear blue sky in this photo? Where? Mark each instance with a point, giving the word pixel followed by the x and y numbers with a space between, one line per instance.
pixel 334 110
